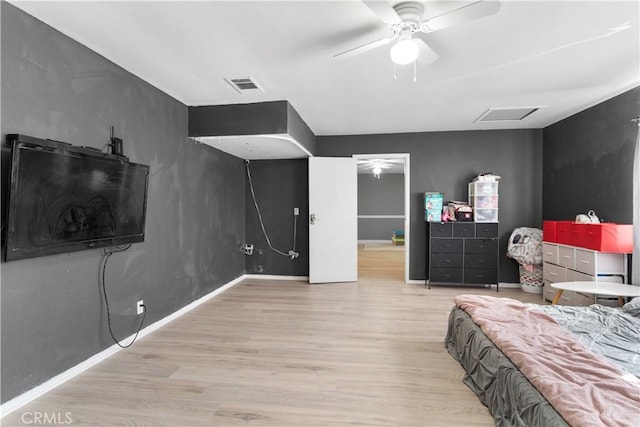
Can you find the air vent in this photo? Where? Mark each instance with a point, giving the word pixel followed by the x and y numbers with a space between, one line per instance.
pixel 506 114
pixel 245 85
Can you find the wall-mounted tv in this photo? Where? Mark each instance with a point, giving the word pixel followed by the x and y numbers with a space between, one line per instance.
pixel 65 198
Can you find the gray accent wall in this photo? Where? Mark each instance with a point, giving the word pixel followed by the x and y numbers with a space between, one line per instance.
pixel 446 162
pixel 53 314
pixel 382 196
pixel 588 161
pixel 279 187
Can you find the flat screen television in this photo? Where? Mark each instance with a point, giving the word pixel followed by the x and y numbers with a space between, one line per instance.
pixel 65 198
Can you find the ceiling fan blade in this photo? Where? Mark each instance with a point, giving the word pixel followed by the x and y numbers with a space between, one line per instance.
pixel 384 10
pixel 463 14
pixel 363 48
pixel 426 55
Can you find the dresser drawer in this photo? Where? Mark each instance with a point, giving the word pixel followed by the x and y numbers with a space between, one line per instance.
pixel 550 253
pixel 588 299
pixel 584 299
pixel 486 230
pixel 479 275
pixel 485 246
pixel 441 229
pixel 480 260
pixel 554 273
pixel 576 276
pixel 446 245
pixel 591 262
pixel 446 260
pixel 464 229
pixel 567 298
pixel 449 275
pixel 548 292
pixel 585 261
pixel 566 256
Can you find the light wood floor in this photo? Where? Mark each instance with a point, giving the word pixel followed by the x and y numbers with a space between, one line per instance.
pixel 285 353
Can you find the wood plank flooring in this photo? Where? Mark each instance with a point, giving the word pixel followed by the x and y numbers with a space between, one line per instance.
pixel 286 353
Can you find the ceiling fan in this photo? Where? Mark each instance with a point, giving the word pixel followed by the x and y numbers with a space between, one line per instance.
pixel 405 20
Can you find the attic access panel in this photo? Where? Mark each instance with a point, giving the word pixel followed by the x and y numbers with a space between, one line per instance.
pixel 506 114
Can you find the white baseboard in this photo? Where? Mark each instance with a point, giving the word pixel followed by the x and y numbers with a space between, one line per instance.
pixel 275 277
pixel 25 398
pixel 375 241
pixel 416 282
pixel 19 401
pixel 509 285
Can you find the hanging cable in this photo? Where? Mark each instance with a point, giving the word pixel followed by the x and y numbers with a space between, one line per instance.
pixel 106 254
pixel 292 253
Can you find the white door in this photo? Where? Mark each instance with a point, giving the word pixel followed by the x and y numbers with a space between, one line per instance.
pixel 333 219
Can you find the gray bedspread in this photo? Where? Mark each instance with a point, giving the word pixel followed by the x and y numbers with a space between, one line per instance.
pixel 511 399
pixel 610 332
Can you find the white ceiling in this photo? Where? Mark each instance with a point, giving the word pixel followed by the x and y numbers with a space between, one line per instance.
pixel 386 164
pixel 560 56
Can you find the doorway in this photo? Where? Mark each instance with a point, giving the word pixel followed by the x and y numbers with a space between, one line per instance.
pixel 393 216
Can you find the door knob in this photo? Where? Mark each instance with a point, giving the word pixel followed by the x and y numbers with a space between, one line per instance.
pixel 312 219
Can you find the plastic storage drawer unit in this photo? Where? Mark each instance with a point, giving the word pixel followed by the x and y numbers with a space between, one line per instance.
pixel 483 188
pixel 486 215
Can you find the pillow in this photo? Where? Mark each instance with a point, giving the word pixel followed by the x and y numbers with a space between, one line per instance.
pixel 632 308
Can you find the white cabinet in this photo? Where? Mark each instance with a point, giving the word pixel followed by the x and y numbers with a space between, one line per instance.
pixel 563 263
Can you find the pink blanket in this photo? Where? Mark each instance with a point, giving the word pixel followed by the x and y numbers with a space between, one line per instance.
pixel 585 388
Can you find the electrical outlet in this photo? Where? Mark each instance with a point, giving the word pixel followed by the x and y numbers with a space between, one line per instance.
pixel 296 211
pixel 140 307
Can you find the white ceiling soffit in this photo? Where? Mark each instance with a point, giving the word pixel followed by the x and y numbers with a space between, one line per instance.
pixel 257 147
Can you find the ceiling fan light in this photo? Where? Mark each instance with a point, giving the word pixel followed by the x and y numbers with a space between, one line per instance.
pixel 404 52
pixel 377 171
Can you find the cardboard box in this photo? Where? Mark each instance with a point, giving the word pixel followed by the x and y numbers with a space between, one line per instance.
pixel 603 237
pixel 549 231
pixel 564 232
pixel 433 203
pixel 607 237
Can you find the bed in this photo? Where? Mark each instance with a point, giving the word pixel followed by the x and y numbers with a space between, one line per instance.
pixel 540 365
